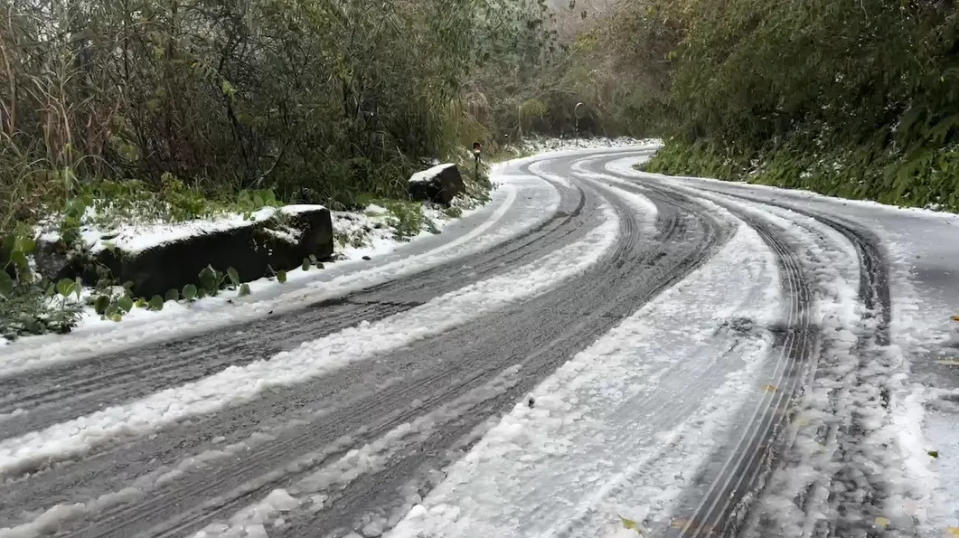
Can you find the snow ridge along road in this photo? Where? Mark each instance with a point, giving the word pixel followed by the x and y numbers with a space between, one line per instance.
pixel 616 352
pixel 835 467
pixel 177 477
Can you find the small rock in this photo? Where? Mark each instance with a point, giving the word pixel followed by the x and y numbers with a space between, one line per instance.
pixel 367 258
pixel 531 402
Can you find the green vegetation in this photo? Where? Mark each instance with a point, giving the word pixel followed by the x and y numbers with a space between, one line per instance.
pixel 190 101
pixel 193 102
pixel 30 304
pixel 855 99
pixel 170 110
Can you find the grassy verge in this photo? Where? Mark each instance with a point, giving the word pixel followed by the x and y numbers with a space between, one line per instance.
pixel 32 304
pixel 922 178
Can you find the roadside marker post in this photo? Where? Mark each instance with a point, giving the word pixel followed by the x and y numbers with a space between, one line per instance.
pixel 477 153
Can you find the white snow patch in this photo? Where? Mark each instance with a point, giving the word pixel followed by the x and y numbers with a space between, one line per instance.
pixel 370 458
pixel 238 384
pixel 545 145
pixel 658 388
pixel 95 336
pixel 428 175
pixel 133 238
pixel 917 495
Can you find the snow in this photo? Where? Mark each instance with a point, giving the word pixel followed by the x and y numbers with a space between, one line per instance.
pixel 312 359
pixel 369 458
pixel 627 167
pixel 664 387
pixel 616 432
pixel 920 492
pixel 941 436
pixel 139 237
pixel 547 145
pixel 519 203
pixel 428 175
pixel 368 233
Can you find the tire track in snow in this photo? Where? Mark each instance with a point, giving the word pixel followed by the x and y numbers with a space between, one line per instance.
pixel 733 489
pixel 362 402
pixel 680 223
pixel 730 493
pixel 856 490
pixel 64 392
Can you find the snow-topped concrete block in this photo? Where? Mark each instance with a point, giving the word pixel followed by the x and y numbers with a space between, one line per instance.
pixel 156 261
pixel 439 184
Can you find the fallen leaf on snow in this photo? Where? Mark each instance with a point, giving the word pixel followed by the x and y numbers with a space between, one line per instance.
pixel 882 522
pixel 631 525
pixel 770 388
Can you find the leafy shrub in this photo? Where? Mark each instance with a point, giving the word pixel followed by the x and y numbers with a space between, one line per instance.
pixel 30 309
pixel 407 218
pixel 928 179
pixel 453 212
pixel 30 304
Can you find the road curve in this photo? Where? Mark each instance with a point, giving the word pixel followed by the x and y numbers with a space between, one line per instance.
pixel 174 481
pixel 421 405
pixel 742 468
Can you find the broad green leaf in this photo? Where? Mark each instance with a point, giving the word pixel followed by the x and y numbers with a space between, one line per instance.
pixel 189 292
pixel 234 276
pixel 306 264
pixel 19 259
pixel 172 295
pixel 244 290
pixel 208 279
pixel 100 304
pixel 25 244
pixel 125 303
pixel 6 284
pixel 66 287
pixel 156 303
pixel 281 277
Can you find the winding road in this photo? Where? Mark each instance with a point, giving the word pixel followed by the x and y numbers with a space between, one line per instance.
pixel 150 439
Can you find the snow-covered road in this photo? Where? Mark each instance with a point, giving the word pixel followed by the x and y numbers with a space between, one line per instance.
pixel 599 352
